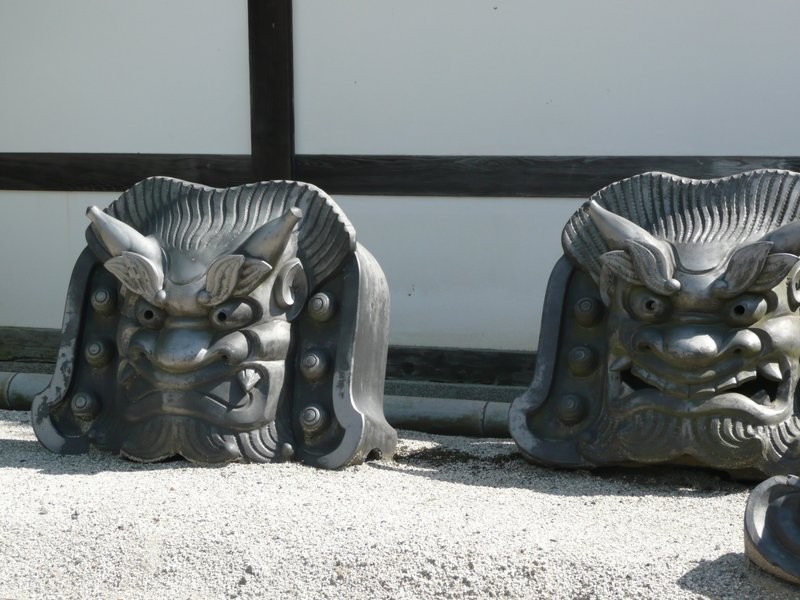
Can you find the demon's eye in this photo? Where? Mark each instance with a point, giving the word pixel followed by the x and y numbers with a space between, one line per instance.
pixel 232 315
pixel 148 315
pixel 746 310
pixel 647 306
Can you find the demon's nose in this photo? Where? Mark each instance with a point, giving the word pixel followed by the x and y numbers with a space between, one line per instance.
pixel 179 350
pixel 696 349
pixel 693 347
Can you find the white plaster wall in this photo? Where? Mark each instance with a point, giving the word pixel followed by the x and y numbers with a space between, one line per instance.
pixel 123 76
pixel 414 77
pixel 466 273
pixel 547 78
pixel 41 235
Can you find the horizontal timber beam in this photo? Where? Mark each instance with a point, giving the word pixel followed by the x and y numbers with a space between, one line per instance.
pixel 526 176
pixel 481 176
pixel 409 363
pixel 117 172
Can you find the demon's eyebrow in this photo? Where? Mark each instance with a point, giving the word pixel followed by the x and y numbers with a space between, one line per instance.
pixel 753 267
pixel 642 264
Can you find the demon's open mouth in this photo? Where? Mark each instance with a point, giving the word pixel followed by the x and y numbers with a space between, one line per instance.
pixel 248 376
pixel 747 383
pixel 239 399
pixel 765 398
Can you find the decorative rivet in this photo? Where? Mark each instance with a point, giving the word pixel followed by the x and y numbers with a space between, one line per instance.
pixel 98 353
pixel 571 409
pixel 313 418
pixel 321 306
pixel 286 451
pixel 588 311
pixel 104 301
pixel 582 360
pixel 314 364
pixel 84 406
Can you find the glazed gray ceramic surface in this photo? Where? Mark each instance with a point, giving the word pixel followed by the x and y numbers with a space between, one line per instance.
pixel 670 330
pixel 222 324
pixel 772 527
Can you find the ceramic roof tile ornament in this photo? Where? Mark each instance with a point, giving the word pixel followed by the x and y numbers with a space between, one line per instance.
pixel 772 527
pixel 218 325
pixel 670 331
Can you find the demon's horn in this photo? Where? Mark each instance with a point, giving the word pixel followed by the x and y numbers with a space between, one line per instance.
pixel 618 230
pixel 268 241
pixel 785 238
pixel 119 237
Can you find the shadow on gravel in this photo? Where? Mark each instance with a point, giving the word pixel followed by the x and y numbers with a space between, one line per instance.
pixel 733 576
pixel 30 454
pixel 468 461
pixel 497 463
pixel 25 454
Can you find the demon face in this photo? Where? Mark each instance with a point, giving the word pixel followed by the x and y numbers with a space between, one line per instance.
pixel 204 332
pixel 199 338
pixel 690 348
pixel 700 334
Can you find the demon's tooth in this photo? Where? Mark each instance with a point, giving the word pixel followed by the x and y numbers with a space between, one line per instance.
pixel 745 376
pixel 126 373
pixel 248 378
pixel 623 362
pixel 727 384
pixel 710 389
pixel 625 389
pixel 761 397
pixel 771 370
pixel 651 378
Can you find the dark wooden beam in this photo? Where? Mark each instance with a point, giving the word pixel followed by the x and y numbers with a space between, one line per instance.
pixel 542 176
pixel 117 172
pixel 458 365
pixel 529 176
pixel 271 88
pixel 408 363
pixel 29 344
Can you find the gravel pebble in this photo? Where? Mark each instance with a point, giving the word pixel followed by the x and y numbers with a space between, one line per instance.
pixel 449 517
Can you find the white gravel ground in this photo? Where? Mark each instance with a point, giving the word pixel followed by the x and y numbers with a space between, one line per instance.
pixel 449 517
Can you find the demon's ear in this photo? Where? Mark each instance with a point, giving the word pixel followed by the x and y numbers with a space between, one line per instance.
pixel 291 288
pixel 252 272
pixel 232 275
pixel 138 274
